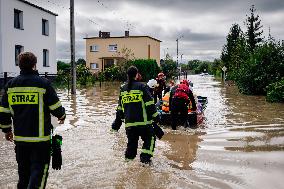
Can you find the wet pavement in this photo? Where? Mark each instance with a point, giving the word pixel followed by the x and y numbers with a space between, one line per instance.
pixel 239 145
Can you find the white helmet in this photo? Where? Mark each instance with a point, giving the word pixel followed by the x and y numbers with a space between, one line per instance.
pixel 152 83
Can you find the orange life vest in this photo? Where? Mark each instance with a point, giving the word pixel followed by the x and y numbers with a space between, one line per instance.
pixel 166 105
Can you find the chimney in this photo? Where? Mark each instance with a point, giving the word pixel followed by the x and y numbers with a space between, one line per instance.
pixel 126 33
pixel 104 34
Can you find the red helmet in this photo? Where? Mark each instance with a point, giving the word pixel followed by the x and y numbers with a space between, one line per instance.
pixel 161 74
pixel 184 82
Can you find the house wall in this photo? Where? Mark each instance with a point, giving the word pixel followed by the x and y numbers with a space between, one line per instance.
pixel 1 17
pixel 138 46
pixel 30 37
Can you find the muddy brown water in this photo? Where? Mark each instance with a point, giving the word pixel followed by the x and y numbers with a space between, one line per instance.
pixel 239 145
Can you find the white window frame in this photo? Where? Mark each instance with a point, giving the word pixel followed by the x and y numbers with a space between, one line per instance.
pixel 94 48
pixel 45 27
pixel 45 58
pixel 18 50
pixel 112 48
pixel 18 19
pixel 94 68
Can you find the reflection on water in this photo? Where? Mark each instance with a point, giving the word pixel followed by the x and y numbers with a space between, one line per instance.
pixel 182 150
pixel 239 145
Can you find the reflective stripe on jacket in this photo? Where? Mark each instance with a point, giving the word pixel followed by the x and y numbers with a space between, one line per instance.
pixel 29 99
pixel 137 105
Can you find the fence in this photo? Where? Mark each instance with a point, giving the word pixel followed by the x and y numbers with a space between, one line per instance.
pixel 6 76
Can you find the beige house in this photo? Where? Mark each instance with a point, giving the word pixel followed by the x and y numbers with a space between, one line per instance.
pixel 105 51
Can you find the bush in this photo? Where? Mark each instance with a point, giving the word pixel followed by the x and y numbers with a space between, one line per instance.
pixel 83 74
pixel 114 73
pixel 265 66
pixel 148 68
pixel 275 91
pixel 169 68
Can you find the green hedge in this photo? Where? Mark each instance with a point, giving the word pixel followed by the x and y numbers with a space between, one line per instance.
pixel 275 91
pixel 148 69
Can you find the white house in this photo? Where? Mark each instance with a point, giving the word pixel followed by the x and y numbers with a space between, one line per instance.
pixel 27 27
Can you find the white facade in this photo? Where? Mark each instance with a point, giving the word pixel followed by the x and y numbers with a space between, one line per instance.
pixel 30 36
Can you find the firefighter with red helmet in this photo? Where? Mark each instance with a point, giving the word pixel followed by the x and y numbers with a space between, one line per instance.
pixel 161 86
pixel 180 96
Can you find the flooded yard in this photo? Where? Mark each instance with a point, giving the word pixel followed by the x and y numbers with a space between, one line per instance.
pixel 239 145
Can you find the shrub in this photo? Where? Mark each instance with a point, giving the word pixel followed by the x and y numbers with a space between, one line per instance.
pixel 275 91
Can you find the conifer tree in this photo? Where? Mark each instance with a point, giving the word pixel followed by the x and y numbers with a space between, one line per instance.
pixel 254 30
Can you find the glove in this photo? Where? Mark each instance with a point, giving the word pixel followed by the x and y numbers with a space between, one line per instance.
pixel 56 152
pixel 158 131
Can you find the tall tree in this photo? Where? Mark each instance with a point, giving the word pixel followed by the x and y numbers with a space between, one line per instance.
pixel 81 61
pixel 254 30
pixel 229 48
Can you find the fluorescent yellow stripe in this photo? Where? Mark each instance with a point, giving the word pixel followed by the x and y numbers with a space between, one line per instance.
pixel 144 111
pixel 32 139
pixel 149 103
pixel 131 91
pixel 44 176
pixel 54 106
pixel 5 126
pixel 155 114
pixel 151 150
pixel 26 89
pixel 138 123
pixel 5 110
pixel 11 109
pixel 41 116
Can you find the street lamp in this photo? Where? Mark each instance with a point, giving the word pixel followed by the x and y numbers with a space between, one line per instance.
pixel 177 47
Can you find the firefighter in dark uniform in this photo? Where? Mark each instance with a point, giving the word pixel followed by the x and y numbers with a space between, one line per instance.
pixel 28 100
pixel 161 86
pixel 180 96
pixel 137 107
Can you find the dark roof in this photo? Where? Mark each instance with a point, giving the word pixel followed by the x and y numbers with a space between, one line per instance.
pixel 138 36
pixel 33 5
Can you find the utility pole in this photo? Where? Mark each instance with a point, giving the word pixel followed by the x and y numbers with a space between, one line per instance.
pixel 177 47
pixel 72 45
pixel 177 51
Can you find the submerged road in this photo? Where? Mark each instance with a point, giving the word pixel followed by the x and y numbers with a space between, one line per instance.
pixel 239 145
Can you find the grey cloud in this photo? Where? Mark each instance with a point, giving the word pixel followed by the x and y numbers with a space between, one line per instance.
pixel 202 43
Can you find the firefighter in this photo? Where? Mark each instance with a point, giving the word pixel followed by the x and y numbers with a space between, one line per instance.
pixel 180 96
pixel 161 86
pixel 28 100
pixel 138 110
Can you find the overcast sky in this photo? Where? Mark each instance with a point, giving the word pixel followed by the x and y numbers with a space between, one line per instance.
pixel 204 24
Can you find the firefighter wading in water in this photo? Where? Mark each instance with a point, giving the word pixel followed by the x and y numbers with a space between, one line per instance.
pixel 137 107
pixel 28 100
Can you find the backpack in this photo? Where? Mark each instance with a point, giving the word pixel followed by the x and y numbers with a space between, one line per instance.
pixel 182 91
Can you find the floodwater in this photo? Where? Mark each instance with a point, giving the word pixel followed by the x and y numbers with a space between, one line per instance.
pixel 239 145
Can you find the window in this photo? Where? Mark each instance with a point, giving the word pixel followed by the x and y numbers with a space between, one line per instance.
pixel 18 19
pixel 45 58
pixel 45 27
pixel 94 48
pixel 94 66
pixel 112 48
pixel 108 63
pixel 18 50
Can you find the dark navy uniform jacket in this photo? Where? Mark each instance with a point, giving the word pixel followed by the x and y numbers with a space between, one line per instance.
pixel 29 100
pixel 137 105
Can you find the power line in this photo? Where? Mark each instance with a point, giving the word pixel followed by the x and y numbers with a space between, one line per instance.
pixel 128 24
